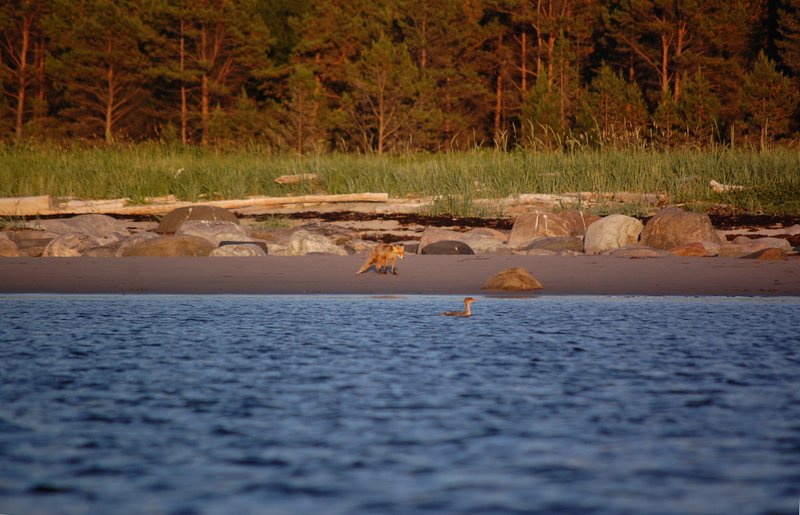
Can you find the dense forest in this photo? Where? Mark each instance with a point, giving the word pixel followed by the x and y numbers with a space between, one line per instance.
pixel 405 75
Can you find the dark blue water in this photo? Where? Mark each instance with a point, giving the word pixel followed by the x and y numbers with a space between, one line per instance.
pixel 347 404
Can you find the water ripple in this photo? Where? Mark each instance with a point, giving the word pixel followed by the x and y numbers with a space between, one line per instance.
pixel 347 404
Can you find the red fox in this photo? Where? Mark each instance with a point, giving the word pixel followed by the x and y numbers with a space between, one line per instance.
pixel 381 256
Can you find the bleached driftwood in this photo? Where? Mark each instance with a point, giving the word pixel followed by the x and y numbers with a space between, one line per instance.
pixel 43 205
pixel 22 206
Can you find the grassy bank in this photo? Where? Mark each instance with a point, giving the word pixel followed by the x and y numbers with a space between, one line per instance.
pixel 771 180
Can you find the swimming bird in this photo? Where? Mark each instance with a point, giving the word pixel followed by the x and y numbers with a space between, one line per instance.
pixel 465 313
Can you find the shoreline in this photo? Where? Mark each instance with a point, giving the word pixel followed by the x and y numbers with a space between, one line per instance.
pixel 417 274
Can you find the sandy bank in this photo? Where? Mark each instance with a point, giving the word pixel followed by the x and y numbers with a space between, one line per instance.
pixel 583 275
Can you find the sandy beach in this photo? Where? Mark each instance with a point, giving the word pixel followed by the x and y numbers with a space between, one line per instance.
pixel 417 274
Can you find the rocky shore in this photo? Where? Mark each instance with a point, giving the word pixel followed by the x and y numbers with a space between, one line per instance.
pixel 569 252
pixel 205 231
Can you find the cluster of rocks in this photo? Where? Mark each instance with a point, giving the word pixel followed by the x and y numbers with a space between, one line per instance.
pixel 671 231
pixel 211 231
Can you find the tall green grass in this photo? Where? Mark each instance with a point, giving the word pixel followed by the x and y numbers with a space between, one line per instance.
pixel 771 179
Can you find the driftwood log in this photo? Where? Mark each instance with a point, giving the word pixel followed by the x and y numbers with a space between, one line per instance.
pixel 44 205
pixel 297 178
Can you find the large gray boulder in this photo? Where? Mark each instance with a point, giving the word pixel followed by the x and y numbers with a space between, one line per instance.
pixel 537 224
pixel 672 227
pixel 173 220
pixel 171 246
pixel 70 245
pixel 215 231
pixel 104 229
pixel 611 232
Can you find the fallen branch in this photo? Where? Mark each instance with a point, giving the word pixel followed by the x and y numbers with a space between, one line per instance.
pixel 23 207
pixel 297 178
pixel 723 188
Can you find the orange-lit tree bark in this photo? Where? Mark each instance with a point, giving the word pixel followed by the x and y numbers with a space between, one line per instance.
pixel 446 42
pixel 209 50
pixel 20 35
pixel 384 84
pixel 98 58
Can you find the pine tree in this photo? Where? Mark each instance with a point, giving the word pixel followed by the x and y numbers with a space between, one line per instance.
pixel 384 87
pixel 614 110
pixel 541 117
pixel 445 41
pixel 99 62
pixel 662 36
pixel 768 100
pixel 305 111
pixel 209 50
pixel 789 29
pixel 21 53
pixel 700 109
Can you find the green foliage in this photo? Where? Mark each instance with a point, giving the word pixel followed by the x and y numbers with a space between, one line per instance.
pixel 768 100
pixel 401 76
pixel 455 180
pixel 614 111
pixel 789 41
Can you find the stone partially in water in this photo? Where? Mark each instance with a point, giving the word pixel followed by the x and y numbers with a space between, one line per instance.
pixel 512 279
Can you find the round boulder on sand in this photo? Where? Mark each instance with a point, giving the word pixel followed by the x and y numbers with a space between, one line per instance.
pixel 171 246
pixel 173 220
pixel 611 232
pixel 672 227
pixel 512 279
pixel 70 245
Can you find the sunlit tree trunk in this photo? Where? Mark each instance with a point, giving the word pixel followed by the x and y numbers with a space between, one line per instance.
pixel 184 106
